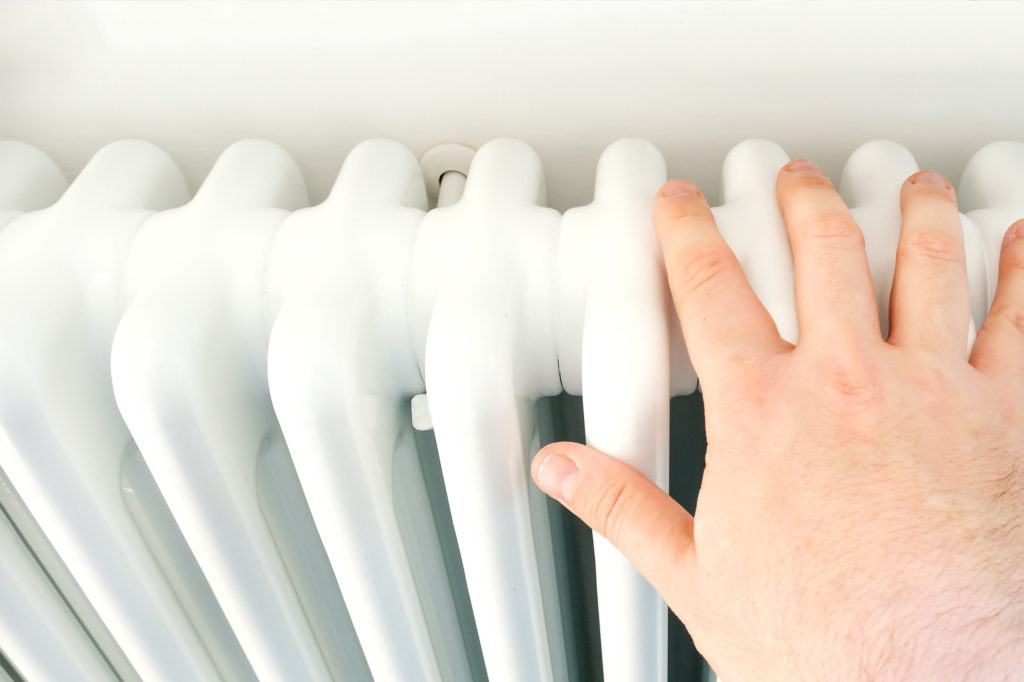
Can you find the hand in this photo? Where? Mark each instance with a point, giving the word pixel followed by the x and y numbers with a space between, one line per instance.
pixel 861 515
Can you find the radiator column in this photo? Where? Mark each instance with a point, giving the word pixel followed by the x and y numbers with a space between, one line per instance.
pixel 342 370
pixel 61 283
pixel 189 371
pixel 483 326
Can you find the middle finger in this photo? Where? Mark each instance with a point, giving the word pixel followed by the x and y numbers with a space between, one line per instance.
pixel 834 296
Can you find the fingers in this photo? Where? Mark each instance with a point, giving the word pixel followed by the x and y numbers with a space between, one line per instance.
pixel 930 305
pixel 999 348
pixel 834 297
pixel 650 529
pixel 723 322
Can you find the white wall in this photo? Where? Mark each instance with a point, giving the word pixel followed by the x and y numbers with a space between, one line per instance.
pixel 569 78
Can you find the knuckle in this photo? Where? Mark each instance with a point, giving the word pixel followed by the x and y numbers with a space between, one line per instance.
pixel 1014 232
pixel 1012 258
pixel 675 215
pixel 932 245
pixel 606 508
pixel 830 232
pixel 1006 318
pixel 704 269
pixel 848 385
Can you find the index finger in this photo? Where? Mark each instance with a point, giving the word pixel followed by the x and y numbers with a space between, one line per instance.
pixel 723 322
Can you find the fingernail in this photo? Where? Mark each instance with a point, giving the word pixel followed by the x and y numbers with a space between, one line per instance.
pixel 930 177
pixel 556 476
pixel 1015 232
pixel 679 188
pixel 801 165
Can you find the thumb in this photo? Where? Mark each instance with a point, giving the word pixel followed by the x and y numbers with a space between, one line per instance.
pixel 650 528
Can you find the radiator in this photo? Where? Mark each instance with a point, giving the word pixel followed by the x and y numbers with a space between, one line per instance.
pixel 262 419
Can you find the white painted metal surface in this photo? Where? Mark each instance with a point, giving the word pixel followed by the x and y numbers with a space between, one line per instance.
pixel 342 370
pixel 991 194
pixel 616 335
pixel 483 325
pixel 38 632
pixel 189 373
pixel 61 282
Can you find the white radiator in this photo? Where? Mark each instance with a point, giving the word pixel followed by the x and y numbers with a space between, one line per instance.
pixel 262 423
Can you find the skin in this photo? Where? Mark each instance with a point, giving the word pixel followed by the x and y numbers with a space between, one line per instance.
pixel 861 515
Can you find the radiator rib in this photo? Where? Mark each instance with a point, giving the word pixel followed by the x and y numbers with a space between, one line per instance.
pixel 275 363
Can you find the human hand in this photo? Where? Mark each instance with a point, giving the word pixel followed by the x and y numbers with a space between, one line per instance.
pixel 861 514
